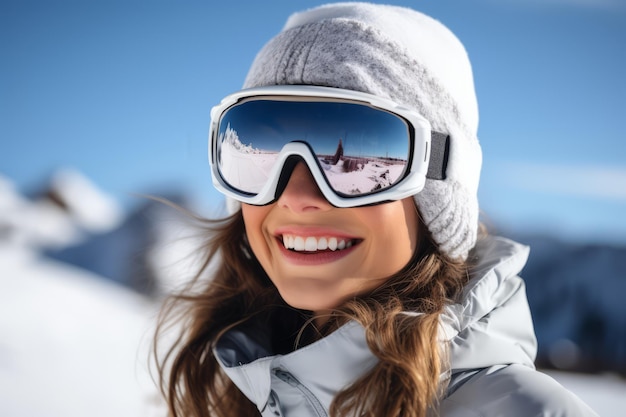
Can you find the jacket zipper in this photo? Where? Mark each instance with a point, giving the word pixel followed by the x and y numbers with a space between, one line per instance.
pixel 311 398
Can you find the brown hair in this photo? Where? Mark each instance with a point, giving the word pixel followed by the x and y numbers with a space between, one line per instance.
pixel 231 287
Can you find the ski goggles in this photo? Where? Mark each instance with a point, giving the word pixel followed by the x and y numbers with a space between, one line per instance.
pixel 360 149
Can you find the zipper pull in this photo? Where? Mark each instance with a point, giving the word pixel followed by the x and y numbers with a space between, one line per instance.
pixel 287 377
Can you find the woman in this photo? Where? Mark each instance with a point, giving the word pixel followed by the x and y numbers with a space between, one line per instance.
pixel 349 278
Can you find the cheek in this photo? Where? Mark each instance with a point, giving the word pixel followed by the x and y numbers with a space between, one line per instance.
pixel 394 227
pixel 253 219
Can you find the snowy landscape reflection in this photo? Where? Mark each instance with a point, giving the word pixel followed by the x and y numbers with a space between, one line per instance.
pixel 247 168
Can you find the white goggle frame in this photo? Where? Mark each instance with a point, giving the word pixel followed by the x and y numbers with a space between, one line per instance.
pixel 410 184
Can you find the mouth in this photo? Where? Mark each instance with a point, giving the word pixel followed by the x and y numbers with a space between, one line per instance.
pixel 316 244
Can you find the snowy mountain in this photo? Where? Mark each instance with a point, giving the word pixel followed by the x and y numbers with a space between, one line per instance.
pixel 72 221
pixel 124 254
pixel 231 138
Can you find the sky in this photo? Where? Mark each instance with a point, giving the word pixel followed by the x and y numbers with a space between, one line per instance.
pixel 121 90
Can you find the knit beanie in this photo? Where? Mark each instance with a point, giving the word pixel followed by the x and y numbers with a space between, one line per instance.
pixel 406 56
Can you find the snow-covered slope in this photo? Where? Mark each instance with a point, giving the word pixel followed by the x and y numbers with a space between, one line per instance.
pixel 604 393
pixel 71 343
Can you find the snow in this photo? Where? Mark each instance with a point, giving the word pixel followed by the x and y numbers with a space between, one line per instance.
pixel 93 209
pixel 73 344
pixel 604 393
pixel 39 223
pixel 247 165
pixel 368 177
pixel 72 206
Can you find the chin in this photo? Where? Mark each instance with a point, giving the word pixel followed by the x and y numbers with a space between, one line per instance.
pixel 309 301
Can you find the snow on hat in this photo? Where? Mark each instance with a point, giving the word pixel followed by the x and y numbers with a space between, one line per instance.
pixel 404 55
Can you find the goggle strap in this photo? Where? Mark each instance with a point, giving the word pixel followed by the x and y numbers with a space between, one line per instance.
pixel 439 151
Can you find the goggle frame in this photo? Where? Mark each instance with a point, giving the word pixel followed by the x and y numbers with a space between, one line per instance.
pixel 411 183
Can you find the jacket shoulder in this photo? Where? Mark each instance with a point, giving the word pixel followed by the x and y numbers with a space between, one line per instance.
pixel 512 390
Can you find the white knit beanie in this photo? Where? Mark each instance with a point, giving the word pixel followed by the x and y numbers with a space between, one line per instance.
pixel 404 55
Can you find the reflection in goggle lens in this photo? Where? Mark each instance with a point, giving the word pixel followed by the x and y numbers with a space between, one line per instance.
pixel 359 149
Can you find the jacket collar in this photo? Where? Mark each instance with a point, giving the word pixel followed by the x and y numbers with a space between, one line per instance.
pixel 491 323
pixel 325 366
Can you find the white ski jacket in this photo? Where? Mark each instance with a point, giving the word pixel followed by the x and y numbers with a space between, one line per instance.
pixel 492 348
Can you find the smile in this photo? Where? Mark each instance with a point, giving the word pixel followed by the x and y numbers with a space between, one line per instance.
pixel 315 244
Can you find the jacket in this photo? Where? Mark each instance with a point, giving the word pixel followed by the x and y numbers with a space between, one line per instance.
pixel 492 347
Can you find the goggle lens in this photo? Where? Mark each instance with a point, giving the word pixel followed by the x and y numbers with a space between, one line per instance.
pixel 359 149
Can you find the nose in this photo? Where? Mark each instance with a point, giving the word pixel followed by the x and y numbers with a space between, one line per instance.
pixel 301 194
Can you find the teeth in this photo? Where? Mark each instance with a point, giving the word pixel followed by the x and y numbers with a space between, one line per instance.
pixel 312 244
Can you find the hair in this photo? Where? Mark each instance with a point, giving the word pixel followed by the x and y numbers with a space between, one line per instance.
pixel 401 321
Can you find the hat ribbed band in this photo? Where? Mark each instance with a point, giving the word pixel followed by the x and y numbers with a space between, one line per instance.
pixel 453 221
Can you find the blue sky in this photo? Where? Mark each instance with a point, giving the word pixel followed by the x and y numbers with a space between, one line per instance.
pixel 121 90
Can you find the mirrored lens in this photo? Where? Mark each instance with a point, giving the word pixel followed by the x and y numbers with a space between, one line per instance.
pixel 360 149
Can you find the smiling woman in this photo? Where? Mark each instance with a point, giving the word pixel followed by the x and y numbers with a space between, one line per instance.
pixel 377 301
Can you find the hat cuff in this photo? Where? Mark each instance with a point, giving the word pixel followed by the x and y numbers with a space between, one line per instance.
pixel 450 213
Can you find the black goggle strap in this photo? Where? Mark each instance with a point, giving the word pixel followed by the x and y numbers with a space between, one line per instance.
pixel 439 151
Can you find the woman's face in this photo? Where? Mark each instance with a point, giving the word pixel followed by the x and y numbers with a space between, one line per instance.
pixel 318 255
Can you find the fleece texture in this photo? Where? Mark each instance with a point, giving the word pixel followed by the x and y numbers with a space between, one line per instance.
pixel 404 55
